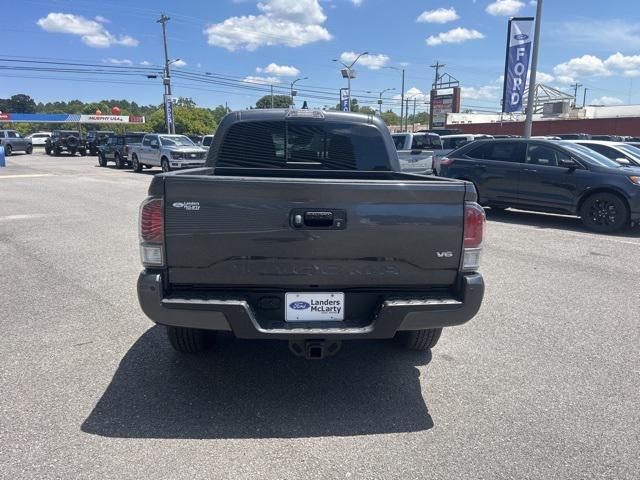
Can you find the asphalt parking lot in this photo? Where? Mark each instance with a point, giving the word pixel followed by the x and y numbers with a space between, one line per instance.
pixel 543 383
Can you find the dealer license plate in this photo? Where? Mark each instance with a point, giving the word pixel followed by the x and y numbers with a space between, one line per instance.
pixel 314 307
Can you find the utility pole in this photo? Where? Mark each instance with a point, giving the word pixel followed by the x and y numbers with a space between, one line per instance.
pixel 271 96
pixel 534 70
pixel 575 93
pixel 413 124
pixel 406 119
pixel 584 97
pixel 437 66
pixel 168 101
pixel 402 100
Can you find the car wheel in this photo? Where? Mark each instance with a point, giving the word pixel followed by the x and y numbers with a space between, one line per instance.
pixel 57 151
pixel 8 150
pixel 47 150
pixel 102 161
pixel 83 152
pixel 119 162
pixel 72 152
pixel 418 339
pixel 135 164
pixel 190 340
pixel 165 165
pixel 29 150
pixel 604 212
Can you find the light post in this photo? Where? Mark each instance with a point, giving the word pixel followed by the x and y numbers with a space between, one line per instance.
pixel 380 97
pixel 294 92
pixel 401 94
pixel 348 72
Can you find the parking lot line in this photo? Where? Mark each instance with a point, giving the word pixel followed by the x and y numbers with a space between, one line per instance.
pixel 27 175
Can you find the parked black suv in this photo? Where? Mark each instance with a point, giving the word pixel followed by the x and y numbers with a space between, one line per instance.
pixel 549 176
pixel 116 149
pixel 95 138
pixel 69 141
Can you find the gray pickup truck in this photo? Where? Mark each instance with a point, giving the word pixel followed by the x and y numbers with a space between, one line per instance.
pixel 169 152
pixel 302 227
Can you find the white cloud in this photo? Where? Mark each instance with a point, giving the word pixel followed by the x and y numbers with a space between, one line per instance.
pixel 261 80
pixel 179 63
pixel 585 66
pixel 116 61
pixel 92 32
pixel 357 3
pixel 292 23
pixel 412 93
pixel 485 92
pixel 101 19
pixel 456 35
pixel 504 7
pixel 370 61
pixel 605 100
pixel 145 63
pixel 279 70
pixel 439 15
pixel 628 64
pixel 542 77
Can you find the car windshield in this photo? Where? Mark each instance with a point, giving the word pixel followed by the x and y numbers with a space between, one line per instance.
pixel 177 140
pixel 399 141
pixel 589 155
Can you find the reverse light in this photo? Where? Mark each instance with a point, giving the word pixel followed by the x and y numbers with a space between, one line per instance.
pixel 474 220
pixel 151 232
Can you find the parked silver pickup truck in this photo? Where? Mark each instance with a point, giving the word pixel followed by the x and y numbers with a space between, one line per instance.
pixel 416 151
pixel 170 152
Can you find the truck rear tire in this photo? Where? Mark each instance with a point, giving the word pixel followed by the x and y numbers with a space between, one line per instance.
pixel 418 339
pixel 135 164
pixel 190 340
pixel 119 162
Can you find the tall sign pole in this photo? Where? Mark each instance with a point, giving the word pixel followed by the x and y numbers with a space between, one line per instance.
pixel 534 69
pixel 168 99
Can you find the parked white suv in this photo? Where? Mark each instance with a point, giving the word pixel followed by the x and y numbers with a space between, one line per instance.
pixel 39 139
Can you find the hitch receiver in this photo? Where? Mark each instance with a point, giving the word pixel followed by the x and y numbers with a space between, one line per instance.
pixel 314 349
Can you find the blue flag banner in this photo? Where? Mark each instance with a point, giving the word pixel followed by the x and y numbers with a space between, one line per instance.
pixel 517 63
pixel 344 99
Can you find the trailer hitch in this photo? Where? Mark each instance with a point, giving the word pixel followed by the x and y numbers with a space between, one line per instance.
pixel 314 349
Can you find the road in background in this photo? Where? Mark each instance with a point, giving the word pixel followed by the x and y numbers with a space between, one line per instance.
pixel 543 383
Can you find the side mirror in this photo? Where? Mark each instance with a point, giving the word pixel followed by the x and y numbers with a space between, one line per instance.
pixel 568 163
pixel 623 161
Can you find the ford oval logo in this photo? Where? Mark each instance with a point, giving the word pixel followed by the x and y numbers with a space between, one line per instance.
pixel 299 305
pixel 521 36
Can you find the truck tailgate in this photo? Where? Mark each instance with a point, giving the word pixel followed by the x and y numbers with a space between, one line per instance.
pixel 241 231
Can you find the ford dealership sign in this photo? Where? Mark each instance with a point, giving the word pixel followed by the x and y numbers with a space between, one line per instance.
pixel 517 63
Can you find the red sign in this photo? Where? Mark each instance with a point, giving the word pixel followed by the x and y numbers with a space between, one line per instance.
pixel 5 116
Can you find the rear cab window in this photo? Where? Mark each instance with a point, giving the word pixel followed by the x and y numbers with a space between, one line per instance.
pixel 399 141
pixel 303 145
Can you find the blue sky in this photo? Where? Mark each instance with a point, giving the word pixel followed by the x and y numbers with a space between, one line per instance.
pixel 274 41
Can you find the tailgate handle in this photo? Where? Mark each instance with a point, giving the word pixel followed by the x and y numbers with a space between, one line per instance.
pixel 318 219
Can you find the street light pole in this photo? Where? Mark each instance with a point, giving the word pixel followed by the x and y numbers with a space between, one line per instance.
pixel 168 115
pixel 534 68
pixel 293 92
pixel 349 75
pixel 401 95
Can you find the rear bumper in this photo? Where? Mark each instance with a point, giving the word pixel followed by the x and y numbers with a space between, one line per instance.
pixel 236 315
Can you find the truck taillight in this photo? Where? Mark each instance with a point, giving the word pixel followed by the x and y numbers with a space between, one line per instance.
pixel 152 232
pixel 474 220
pixel 446 161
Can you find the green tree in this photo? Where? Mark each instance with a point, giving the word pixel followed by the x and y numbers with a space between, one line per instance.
pixel 188 121
pixel 390 117
pixel 367 110
pixel 279 101
pixel 219 112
